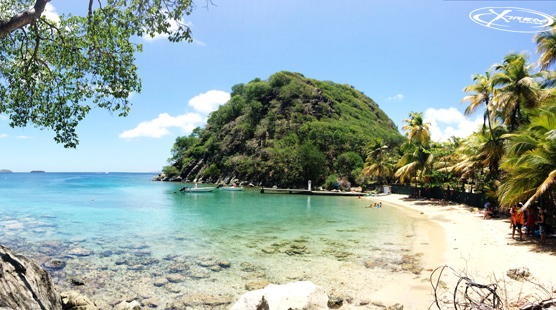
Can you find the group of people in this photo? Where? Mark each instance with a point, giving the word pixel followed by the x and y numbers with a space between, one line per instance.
pixel 533 219
pixel 375 205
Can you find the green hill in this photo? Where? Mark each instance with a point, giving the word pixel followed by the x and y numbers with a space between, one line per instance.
pixel 283 131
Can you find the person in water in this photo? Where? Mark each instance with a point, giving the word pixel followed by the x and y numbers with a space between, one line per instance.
pixel 379 205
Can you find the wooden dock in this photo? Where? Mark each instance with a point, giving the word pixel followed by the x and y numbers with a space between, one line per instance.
pixel 307 192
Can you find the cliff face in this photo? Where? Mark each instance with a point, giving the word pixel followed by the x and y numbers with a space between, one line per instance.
pixel 283 131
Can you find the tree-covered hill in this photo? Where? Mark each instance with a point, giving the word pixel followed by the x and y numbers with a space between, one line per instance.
pixel 283 131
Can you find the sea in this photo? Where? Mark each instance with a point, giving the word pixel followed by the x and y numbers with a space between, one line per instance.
pixel 120 237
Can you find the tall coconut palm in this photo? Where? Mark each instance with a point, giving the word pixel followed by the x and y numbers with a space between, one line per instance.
pixel 519 89
pixel 482 92
pixel 417 129
pixel 546 46
pixel 531 161
pixel 417 160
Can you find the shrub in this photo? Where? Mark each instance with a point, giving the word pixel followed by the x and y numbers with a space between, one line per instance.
pixel 170 171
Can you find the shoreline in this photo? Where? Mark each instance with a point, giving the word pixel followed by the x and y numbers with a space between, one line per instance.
pixel 456 236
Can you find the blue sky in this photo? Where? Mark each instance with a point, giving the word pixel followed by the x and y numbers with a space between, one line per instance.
pixel 405 55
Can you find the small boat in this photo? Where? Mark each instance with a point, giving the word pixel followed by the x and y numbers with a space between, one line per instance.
pixel 196 189
pixel 231 189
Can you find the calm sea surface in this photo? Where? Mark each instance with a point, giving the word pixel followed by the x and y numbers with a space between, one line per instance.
pixel 120 233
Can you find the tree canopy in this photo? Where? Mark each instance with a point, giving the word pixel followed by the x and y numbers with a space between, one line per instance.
pixel 52 71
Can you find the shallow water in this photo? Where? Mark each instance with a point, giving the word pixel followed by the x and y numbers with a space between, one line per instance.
pixel 118 233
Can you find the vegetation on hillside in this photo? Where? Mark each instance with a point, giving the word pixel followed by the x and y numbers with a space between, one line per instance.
pixel 285 131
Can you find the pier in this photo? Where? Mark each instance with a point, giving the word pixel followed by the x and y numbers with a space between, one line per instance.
pixel 307 192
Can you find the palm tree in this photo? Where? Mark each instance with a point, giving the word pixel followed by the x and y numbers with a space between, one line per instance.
pixel 531 161
pixel 519 89
pixel 416 160
pixel 482 95
pixel 414 164
pixel 546 46
pixel 417 129
pixel 378 162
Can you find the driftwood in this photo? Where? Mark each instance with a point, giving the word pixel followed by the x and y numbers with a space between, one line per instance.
pixel 543 304
pixel 466 295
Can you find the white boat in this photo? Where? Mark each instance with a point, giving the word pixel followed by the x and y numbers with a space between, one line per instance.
pixel 231 189
pixel 196 189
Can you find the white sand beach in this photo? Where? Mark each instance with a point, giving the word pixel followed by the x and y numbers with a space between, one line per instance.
pixel 456 236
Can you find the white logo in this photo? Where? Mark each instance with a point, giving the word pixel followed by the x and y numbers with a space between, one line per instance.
pixel 511 19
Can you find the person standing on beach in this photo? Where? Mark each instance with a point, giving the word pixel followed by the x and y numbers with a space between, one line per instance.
pixel 512 215
pixel 518 221
pixel 542 228
pixel 531 215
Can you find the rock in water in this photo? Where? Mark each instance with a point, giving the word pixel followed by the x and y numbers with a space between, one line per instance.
pixel 297 295
pixel 133 305
pixel 25 285
pixel 72 300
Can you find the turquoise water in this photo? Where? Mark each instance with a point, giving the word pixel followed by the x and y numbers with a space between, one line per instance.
pixel 120 232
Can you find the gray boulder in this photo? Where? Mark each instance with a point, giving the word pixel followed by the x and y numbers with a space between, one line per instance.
pixel 24 284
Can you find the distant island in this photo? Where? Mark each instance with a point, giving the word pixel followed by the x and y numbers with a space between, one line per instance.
pixel 5 171
pixel 37 171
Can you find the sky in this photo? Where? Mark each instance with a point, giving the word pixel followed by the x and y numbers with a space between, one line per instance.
pixel 406 55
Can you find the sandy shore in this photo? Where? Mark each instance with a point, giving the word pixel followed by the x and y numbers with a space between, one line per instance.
pixel 456 236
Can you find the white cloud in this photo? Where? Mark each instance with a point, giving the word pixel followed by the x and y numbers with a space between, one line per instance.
pixel 398 97
pixel 3 135
pixel 50 13
pixel 23 137
pixel 446 116
pixel 461 125
pixel 174 26
pixel 203 104
pixel 209 101
pixel 3 117
pixel 158 127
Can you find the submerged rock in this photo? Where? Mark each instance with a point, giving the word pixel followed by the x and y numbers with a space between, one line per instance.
pixel 172 288
pixel 175 278
pixel 177 267
pixel 201 299
pixel 224 264
pixel 79 252
pixel 150 302
pixel 160 282
pixel 24 285
pixel 54 264
pixel 297 295
pixel 256 285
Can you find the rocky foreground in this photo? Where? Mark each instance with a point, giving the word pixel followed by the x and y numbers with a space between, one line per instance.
pixel 25 285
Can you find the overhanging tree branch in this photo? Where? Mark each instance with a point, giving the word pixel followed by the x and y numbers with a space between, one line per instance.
pixel 22 19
